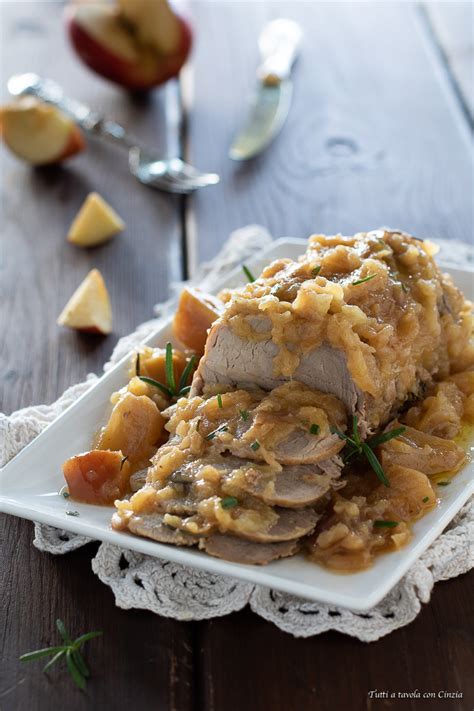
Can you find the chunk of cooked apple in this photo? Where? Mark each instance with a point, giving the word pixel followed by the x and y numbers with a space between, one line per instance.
pixel 193 318
pixel 39 133
pixel 97 477
pixel 95 223
pixel 89 307
pixel 135 427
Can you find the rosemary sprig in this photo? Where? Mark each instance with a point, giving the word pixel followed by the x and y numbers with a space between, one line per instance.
pixel 361 281
pixel 248 273
pixel 171 390
pixel 76 665
pixel 355 447
pixel 228 502
pixel 244 415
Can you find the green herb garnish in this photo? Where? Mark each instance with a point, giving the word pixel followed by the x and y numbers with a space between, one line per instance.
pixel 361 281
pixel 248 273
pixel 229 502
pixel 72 513
pixel 314 429
pixel 219 401
pixel 443 483
pixel 244 415
pixel 76 665
pixel 355 447
pixel 385 524
pixel 222 428
pixel 426 499
pixel 137 365
pixel 255 445
pixel 170 389
pixel 315 271
pixel 66 494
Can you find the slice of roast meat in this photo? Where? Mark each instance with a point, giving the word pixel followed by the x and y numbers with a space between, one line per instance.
pixel 152 526
pixel 238 550
pixel 294 486
pixel 291 524
pixel 231 360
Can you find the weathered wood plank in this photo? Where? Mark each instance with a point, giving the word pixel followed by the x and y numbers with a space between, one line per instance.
pixel 373 138
pixel 143 661
pixel 452 23
pixel 263 668
pixel 40 269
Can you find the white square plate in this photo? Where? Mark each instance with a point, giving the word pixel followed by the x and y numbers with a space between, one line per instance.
pixel 30 483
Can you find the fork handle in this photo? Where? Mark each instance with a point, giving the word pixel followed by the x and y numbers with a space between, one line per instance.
pixel 52 93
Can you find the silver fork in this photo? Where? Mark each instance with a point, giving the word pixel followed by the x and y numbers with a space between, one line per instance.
pixel 171 174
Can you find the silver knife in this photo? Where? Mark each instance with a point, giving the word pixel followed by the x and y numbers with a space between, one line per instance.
pixel 278 44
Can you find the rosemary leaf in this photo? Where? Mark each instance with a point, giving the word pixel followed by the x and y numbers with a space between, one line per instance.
pixel 219 401
pixel 255 445
pixel 39 653
pixel 170 381
pixel 74 671
pixel 211 435
pixel 385 437
pixel 314 429
pixel 385 524
pixel 362 281
pixel 229 502
pixel 137 365
pixel 185 375
pixel 160 386
pixel 375 464
pixel 248 273
pixel 315 271
pixel 55 659
pixel 244 415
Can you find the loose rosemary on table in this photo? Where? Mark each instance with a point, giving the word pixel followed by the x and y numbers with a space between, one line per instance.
pixel 171 389
pixel 70 650
pixel 356 447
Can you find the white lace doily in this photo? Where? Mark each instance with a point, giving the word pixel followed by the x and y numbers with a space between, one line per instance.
pixel 172 590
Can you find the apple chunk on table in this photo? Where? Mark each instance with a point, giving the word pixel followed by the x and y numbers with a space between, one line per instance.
pixel 38 133
pixel 135 44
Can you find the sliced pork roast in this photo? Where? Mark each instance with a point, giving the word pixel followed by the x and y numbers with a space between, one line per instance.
pixel 370 319
pixel 357 327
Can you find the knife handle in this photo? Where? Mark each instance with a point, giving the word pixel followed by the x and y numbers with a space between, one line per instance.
pixel 278 44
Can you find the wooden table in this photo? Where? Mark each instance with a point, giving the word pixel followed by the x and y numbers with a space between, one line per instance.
pixel 378 135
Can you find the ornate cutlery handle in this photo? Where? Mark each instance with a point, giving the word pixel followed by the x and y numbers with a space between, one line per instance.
pixel 278 45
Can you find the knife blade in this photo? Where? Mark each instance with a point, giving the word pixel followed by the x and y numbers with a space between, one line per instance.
pixel 278 44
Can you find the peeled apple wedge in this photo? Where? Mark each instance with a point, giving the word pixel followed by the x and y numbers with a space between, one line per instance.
pixel 95 223
pixel 89 307
pixel 39 133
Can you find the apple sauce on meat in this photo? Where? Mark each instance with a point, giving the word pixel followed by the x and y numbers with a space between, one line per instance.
pixel 327 406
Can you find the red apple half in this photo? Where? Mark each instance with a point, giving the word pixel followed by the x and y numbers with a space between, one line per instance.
pixel 138 44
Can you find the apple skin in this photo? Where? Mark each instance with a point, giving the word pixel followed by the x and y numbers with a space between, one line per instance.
pixel 156 69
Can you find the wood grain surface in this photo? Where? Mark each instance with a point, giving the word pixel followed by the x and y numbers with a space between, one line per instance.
pixel 376 135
